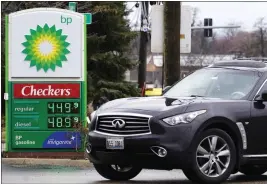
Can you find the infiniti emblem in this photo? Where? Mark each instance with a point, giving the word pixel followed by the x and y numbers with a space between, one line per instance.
pixel 118 123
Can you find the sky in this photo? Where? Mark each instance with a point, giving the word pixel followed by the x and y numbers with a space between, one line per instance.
pixel 222 13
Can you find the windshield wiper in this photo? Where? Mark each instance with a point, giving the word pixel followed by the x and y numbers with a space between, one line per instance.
pixel 196 96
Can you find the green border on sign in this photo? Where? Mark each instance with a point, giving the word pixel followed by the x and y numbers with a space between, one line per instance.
pixel 85 72
pixel 84 86
pixel 6 82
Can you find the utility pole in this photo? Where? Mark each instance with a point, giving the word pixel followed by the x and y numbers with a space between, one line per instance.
pixel 262 42
pixel 143 45
pixel 172 21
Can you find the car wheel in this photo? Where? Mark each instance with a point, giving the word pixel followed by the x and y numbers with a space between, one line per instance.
pixel 253 170
pixel 213 157
pixel 117 172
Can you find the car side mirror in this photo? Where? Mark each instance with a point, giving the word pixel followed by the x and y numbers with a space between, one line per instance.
pixel 165 89
pixel 264 95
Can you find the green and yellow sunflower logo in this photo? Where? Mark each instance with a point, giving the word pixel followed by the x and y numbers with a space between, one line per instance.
pixel 46 48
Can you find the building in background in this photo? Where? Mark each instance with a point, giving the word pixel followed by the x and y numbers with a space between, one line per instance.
pixel 189 63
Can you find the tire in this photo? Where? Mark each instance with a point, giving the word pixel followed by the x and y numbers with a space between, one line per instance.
pixel 215 158
pixel 190 175
pixel 235 171
pixel 253 170
pixel 109 172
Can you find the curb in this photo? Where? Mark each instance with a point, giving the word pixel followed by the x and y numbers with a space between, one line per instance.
pixel 47 162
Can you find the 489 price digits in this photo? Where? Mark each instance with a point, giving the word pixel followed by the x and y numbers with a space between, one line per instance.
pixel 62 122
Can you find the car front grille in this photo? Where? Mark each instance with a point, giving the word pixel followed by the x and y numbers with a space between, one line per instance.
pixel 133 124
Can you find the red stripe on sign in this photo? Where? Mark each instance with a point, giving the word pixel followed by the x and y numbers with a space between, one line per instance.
pixel 46 90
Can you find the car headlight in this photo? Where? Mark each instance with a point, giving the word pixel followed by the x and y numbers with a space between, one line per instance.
pixel 183 118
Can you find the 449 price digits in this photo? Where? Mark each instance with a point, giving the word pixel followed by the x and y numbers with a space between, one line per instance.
pixel 62 122
pixel 63 107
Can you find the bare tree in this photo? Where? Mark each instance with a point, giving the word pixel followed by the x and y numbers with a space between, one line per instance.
pixel 194 19
pixel 194 16
pixel 231 33
pixel 261 32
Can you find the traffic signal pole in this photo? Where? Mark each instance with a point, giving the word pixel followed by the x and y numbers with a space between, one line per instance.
pixel 215 27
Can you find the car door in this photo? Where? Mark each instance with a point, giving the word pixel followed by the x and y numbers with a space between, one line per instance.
pixel 257 127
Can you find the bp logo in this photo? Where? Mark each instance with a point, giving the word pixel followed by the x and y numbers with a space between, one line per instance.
pixel 46 48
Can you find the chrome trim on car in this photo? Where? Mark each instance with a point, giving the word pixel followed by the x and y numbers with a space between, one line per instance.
pixel 254 156
pixel 118 135
pixel 159 148
pixel 243 134
pixel 123 114
pixel 259 89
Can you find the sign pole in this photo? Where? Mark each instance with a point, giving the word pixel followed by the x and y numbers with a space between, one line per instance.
pixel 73 6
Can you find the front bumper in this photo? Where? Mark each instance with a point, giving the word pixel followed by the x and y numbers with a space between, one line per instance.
pixel 137 149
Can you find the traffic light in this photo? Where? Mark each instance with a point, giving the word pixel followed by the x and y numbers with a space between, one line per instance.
pixel 207 32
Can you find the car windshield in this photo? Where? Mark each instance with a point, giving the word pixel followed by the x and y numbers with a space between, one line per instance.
pixel 215 83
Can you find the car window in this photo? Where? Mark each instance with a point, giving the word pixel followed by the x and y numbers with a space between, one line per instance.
pixel 215 83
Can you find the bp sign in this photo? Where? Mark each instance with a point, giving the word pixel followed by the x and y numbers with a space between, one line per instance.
pixel 46 79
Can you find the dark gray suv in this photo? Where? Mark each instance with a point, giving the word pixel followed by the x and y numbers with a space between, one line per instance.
pixel 210 124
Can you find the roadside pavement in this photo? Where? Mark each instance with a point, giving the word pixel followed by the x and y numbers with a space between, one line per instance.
pixel 24 162
pixel 32 170
pixel 72 175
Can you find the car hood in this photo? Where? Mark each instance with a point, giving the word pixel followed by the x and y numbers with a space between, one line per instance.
pixel 148 104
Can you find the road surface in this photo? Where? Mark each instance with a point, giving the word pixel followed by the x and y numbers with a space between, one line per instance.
pixel 58 174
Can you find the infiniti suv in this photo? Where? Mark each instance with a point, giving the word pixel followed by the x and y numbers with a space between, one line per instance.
pixel 211 124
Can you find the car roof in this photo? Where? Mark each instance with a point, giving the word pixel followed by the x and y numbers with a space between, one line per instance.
pixel 253 65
